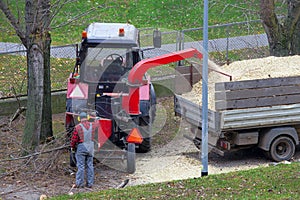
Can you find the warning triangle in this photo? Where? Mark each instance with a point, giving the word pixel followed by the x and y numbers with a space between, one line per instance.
pixel 135 136
pixel 77 93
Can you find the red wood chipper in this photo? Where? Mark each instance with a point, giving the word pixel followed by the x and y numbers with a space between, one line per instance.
pixel 109 82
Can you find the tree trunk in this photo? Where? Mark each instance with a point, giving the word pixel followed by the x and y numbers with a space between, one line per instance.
pixel 46 132
pixel 35 93
pixel 38 124
pixel 295 15
pixel 283 36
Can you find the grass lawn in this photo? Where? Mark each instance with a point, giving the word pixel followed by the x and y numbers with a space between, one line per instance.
pixel 168 14
pixel 274 182
pixel 13 74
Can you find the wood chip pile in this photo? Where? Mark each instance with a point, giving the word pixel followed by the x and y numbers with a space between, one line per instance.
pixel 246 70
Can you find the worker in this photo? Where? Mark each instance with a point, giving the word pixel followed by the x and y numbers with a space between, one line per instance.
pixel 82 141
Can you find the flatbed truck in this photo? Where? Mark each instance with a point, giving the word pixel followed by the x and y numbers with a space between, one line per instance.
pixel 263 113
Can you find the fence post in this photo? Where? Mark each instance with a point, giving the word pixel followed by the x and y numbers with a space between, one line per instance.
pixel 227 44
pixel 180 37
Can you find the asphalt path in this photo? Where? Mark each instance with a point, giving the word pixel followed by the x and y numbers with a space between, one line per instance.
pixel 215 45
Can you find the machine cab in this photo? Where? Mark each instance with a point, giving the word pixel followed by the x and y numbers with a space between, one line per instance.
pixel 108 52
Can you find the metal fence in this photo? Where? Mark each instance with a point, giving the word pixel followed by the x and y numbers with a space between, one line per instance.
pixel 227 43
pixel 13 68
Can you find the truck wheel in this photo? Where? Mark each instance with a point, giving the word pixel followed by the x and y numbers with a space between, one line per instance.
pixel 282 148
pixel 145 128
pixel 131 158
pixel 69 130
pixel 72 159
pixel 152 104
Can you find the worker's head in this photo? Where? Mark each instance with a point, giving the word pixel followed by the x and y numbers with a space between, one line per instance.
pixel 83 116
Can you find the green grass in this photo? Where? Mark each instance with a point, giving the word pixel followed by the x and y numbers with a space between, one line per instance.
pixel 167 14
pixel 274 182
pixel 13 74
pixel 235 55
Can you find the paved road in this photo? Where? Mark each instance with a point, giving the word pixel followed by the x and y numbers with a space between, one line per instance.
pixel 216 45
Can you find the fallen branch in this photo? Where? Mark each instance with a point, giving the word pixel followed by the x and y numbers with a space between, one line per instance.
pixel 12 191
pixel 12 172
pixel 123 184
pixel 20 108
pixel 17 114
pixel 35 154
pixel 3 122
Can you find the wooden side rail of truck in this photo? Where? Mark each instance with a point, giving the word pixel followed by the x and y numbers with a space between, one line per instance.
pixel 263 113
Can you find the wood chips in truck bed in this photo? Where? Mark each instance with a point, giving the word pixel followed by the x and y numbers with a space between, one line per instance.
pixel 245 70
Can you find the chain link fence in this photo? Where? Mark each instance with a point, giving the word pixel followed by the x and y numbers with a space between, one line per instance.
pixel 227 43
pixel 13 68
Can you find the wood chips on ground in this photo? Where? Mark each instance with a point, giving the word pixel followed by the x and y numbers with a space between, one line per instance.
pixel 260 68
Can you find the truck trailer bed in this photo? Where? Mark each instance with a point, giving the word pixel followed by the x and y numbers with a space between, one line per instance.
pixel 238 119
pixel 249 104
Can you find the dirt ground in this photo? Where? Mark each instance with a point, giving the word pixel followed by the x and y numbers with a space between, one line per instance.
pixel 172 157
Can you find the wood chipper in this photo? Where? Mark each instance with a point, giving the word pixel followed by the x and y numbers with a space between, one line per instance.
pixel 109 82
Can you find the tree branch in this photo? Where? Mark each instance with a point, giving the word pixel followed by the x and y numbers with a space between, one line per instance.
pixel 270 22
pixel 13 21
pixel 43 14
pixel 14 190
pixel 78 16
pixel 267 13
pixel 57 6
pixel 35 154
pixel 293 15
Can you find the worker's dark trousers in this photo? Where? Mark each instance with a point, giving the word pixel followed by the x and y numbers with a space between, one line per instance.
pixel 84 159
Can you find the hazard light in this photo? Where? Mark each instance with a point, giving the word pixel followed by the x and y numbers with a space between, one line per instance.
pixel 73 80
pixel 135 136
pixel 84 34
pixel 225 145
pixel 121 32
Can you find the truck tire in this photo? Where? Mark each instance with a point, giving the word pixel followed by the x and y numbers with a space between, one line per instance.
pixel 145 124
pixel 69 127
pixel 72 160
pixel 152 104
pixel 145 128
pixel 282 148
pixel 131 158
pixel 69 120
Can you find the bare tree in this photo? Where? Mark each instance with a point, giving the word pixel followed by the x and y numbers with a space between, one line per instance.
pixel 35 36
pixel 32 21
pixel 283 32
